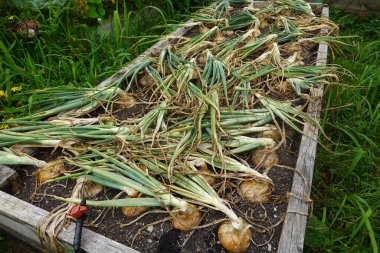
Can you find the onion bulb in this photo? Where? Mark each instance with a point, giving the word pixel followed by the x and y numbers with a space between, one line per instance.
pixel 264 158
pixel 219 38
pixel 203 29
pixel 235 236
pixel 201 59
pixel 91 189
pixel 228 33
pixel 131 211
pixel 255 192
pixel 131 192
pixel 283 87
pixel 203 167
pixel 51 170
pixel 273 134
pixel 125 100
pixel 185 218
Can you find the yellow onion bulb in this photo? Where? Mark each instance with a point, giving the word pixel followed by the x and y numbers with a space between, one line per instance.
pixel 131 192
pixel 219 38
pixel 201 59
pixel 273 134
pixel 228 33
pixel 91 189
pixel 131 211
pixel 186 218
pixel 256 192
pixel 264 158
pixel 124 100
pixel 203 29
pixel 203 167
pixel 51 170
pixel 235 236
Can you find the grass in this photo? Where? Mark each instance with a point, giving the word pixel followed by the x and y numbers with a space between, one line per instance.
pixel 346 187
pixel 70 52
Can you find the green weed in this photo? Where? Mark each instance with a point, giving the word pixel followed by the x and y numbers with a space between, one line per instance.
pixel 69 51
pixel 346 186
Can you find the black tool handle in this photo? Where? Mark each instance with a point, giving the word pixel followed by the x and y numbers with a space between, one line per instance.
pixel 78 230
pixel 78 234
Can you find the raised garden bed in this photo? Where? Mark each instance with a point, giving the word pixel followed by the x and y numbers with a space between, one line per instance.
pixel 279 224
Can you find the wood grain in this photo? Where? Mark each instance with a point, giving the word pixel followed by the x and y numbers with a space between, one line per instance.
pixel 293 230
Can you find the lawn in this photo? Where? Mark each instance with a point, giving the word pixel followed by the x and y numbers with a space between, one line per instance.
pixel 346 188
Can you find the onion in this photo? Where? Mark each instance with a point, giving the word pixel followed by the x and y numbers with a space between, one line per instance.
pixel 273 134
pixel 255 192
pixel 90 189
pixel 283 87
pixel 131 192
pixel 228 33
pixel 219 38
pixel 201 59
pixel 131 211
pixel 203 29
pixel 264 158
pixel 203 167
pixel 185 218
pixel 125 100
pixel 235 236
pixel 51 170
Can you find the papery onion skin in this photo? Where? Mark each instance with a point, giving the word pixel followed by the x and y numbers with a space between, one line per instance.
pixel 232 239
pixel 91 189
pixel 186 218
pixel 51 170
pixel 125 100
pixel 264 158
pixel 204 169
pixel 133 211
pixel 273 134
pixel 256 192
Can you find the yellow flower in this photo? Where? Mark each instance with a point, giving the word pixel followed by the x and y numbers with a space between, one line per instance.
pixel 4 126
pixel 16 88
pixel 11 18
pixel 3 95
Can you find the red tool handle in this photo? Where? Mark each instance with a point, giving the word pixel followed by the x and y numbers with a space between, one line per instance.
pixel 77 211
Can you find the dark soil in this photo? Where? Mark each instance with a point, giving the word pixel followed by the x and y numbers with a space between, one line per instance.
pixel 161 238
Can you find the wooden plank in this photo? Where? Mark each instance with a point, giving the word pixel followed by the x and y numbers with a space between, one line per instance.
pixel 293 230
pixel 155 49
pixel 9 180
pixel 20 219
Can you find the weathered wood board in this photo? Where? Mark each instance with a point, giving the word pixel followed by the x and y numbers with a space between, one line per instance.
pixel 20 218
pixel 293 230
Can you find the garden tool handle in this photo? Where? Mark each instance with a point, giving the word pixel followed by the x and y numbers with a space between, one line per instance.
pixel 78 234
pixel 79 213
